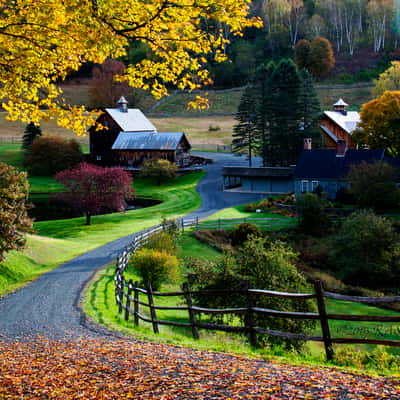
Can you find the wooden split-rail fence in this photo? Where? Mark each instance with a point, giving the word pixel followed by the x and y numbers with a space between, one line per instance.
pixel 129 302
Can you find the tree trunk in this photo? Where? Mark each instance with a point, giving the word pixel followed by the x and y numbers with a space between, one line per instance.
pixel 88 215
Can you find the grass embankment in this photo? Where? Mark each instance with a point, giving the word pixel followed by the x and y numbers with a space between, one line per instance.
pixel 68 238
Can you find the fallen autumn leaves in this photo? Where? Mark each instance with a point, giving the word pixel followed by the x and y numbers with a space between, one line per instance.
pixel 94 369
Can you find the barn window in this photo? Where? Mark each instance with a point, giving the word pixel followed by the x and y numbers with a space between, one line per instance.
pixel 98 158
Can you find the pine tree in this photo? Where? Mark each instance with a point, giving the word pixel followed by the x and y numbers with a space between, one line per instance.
pixel 310 109
pixel 31 132
pixel 284 115
pixel 263 85
pixel 245 136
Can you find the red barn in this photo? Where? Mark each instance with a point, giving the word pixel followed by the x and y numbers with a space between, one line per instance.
pixel 129 139
pixel 339 124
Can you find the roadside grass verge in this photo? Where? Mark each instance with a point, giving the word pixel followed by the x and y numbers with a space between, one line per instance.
pixel 99 304
pixel 40 255
pixel 60 240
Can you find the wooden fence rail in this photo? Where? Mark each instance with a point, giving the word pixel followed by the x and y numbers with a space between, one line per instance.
pixel 128 293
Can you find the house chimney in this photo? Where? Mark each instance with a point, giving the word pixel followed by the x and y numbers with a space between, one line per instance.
pixel 341 106
pixel 122 104
pixel 341 148
pixel 307 144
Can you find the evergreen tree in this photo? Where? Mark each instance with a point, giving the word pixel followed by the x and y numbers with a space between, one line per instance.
pixel 284 115
pixel 245 134
pixel 310 109
pixel 31 132
pixel 263 85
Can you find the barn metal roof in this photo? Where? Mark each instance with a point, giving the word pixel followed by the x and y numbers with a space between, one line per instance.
pixel 347 121
pixel 147 141
pixel 133 120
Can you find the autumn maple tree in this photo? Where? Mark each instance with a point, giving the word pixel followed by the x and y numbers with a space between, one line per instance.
pixel 379 126
pixel 14 219
pixel 41 42
pixel 93 190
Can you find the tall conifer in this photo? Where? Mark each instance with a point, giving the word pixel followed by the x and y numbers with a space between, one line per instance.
pixel 245 136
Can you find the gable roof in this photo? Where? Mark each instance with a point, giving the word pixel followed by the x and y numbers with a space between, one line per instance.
pixel 133 120
pixel 348 121
pixel 323 163
pixel 148 141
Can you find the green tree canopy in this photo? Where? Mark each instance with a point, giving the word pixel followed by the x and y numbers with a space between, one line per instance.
pixel 387 80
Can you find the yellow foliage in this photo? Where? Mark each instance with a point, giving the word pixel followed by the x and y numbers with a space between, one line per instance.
pixel 43 40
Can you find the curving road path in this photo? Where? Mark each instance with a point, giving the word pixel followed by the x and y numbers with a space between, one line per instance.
pixel 49 306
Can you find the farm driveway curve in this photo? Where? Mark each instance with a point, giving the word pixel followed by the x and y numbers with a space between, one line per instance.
pixel 49 306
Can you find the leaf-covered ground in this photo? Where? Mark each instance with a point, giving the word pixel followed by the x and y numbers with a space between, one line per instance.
pixel 115 369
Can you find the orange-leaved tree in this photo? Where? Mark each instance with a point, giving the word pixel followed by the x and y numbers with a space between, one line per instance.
pixel 380 123
pixel 41 42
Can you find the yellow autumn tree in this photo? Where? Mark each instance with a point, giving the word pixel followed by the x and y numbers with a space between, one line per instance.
pixel 379 127
pixel 42 41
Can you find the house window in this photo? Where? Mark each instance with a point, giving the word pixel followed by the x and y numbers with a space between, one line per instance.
pixel 98 158
pixel 314 185
pixel 304 186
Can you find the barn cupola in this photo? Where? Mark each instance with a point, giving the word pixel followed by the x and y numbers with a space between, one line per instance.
pixel 341 106
pixel 122 104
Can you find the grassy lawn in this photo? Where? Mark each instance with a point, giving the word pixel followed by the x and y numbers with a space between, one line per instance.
pixel 68 238
pixel 100 305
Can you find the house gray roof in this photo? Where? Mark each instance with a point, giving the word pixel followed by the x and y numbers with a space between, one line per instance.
pixel 147 141
pixel 347 121
pixel 324 164
pixel 133 120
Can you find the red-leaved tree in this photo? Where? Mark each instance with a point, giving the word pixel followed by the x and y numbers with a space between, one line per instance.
pixel 104 90
pixel 95 190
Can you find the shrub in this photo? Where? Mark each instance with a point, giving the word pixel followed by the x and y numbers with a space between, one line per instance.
pixel 373 186
pixel 155 267
pixel 265 266
pixel 242 232
pixel 162 241
pixel 159 169
pixel 51 154
pixel 313 219
pixel 171 226
pixel 366 251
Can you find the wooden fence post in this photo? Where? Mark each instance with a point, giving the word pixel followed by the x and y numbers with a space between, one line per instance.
pixel 192 316
pixel 128 300
pixel 326 334
pixel 152 309
pixel 136 304
pixel 249 320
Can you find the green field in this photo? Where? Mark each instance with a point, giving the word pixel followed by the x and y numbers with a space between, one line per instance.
pixel 71 237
